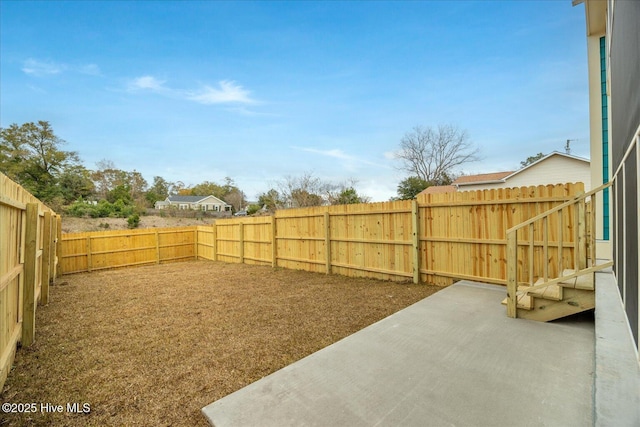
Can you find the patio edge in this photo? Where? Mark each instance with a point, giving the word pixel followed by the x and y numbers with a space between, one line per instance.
pixel 617 371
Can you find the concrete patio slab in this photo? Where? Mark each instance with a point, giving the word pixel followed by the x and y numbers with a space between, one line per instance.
pixel 451 359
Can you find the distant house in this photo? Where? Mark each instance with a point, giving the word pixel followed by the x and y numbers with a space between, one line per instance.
pixel 554 168
pixel 202 203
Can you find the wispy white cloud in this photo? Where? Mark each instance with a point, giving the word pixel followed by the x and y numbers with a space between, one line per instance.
pixel 350 160
pixel 90 69
pixel 38 68
pixel 336 153
pixel 147 83
pixel 228 91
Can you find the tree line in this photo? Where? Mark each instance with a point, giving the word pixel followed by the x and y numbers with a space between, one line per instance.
pixel 33 155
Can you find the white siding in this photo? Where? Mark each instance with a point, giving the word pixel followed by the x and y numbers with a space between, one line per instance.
pixel 553 170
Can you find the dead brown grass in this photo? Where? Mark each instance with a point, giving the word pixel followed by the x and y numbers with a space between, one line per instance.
pixel 152 345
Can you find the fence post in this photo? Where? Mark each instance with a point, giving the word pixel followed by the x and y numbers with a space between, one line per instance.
pixel 241 237
pixel 157 247
pixel 29 283
pixel 53 242
pixel 45 270
pixel 89 260
pixel 58 245
pixel 274 242
pixel 512 273
pixel 215 241
pixel 195 242
pixel 416 241
pixel 560 243
pixel 327 240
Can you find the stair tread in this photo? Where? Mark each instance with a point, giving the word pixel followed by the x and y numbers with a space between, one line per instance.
pixel 552 292
pixel 581 282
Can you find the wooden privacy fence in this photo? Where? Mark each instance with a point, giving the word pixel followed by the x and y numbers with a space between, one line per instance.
pixel 126 248
pixel 29 231
pixel 438 238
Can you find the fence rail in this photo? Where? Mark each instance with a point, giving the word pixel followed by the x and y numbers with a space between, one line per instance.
pixel 29 232
pixel 438 238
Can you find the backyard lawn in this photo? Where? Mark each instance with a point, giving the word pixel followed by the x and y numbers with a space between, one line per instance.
pixel 152 345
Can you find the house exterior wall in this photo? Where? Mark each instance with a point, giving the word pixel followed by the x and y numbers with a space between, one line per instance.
pixel 553 170
pixel 624 60
pixel 618 21
pixel 210 203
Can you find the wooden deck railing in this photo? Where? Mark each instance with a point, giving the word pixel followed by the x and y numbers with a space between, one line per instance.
pixel 582 244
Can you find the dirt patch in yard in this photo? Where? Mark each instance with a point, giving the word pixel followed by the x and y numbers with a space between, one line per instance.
pixel 152 345
pixel 82 225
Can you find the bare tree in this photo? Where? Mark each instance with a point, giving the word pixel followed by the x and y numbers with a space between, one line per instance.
pixel 433 154
pixel 303 191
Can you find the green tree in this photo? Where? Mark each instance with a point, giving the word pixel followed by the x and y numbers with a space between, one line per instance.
pixel 271 200
pixel 31 155
pixel 137 187
pixel 158 191
pixel 76 183
pixel 410 187
pixel 228 192
pixel 208 188
pixel 107 177
pixel 121 192
pixel 531 159
pixel 348 196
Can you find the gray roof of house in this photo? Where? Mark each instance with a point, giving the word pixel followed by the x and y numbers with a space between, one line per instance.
pixel 186 199
pixel 191 199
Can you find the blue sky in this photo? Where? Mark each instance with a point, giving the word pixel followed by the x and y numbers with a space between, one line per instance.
pixel 194 91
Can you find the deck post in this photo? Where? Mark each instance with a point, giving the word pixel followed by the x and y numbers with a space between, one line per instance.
pixel 581 244
pixel 512 273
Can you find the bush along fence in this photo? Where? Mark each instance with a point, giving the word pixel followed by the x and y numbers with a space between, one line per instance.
pixel 437 239
pixel 29 234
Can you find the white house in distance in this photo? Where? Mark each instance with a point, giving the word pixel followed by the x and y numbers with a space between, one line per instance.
pixel 554 168
pixel 202 203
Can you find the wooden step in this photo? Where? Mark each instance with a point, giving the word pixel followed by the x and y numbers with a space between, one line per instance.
pixel 551 292
pixel 581 282
pixel 574 301
pixel 525 302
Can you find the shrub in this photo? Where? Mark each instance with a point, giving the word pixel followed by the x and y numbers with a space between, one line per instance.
pixel 79 209
pixel 102 210
pixel 133 221
pixel 251 209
